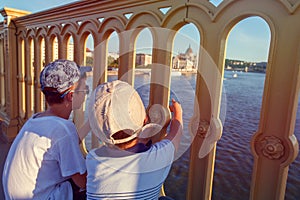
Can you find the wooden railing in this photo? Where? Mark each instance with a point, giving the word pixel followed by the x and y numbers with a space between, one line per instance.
pixel 274 145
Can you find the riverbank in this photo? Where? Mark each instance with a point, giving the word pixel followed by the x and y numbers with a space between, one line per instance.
pixel 147 71
pixel 142 71
pixel 248 71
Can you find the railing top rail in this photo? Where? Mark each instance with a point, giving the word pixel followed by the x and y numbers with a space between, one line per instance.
pixel 81 9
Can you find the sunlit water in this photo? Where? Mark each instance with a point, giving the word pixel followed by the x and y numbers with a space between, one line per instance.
pixel 241 100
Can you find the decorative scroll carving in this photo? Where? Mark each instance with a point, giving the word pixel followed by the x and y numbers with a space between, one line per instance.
pixel 200 128
pixel 203 128
pixel 271 147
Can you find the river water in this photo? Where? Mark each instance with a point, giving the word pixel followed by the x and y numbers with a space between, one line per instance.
pixel 240 111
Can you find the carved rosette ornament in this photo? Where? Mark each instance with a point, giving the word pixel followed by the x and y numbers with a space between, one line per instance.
pixel 200 128
pixel 271 147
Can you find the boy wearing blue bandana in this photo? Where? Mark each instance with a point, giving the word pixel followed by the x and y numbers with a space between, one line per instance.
pixel 46 152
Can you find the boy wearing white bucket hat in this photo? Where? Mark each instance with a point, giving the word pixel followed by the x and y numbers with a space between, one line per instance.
pixel 45 155
pixel 125 168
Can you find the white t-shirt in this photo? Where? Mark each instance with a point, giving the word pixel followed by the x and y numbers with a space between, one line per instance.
pixel 116 174
pixel 42 157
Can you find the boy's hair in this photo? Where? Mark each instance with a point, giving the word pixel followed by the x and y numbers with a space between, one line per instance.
pixel 52 96
pixel 123 135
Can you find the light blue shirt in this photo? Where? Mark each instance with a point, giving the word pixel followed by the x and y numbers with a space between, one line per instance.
pixel 116 174
pixel 43 156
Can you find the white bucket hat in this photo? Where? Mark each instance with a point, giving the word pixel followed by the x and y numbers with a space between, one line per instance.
pixel 116 106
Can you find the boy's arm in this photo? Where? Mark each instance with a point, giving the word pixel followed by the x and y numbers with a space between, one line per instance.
pixel 84 130
pixel 80 180
pixel 176 124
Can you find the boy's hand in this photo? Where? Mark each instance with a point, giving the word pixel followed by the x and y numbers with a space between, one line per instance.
pixel 176 109
pixel 176 124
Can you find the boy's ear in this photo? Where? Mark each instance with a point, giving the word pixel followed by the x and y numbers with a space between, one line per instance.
pixel 146 120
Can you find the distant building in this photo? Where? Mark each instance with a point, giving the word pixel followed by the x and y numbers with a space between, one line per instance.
pixel 187 60
pixel 259 67
pixel 142 59
pixel 238 65
pixel 89 52
pixel 114 55
pixel 70 50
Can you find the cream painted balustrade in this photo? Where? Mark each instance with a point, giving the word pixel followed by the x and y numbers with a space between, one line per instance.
pixel 27 42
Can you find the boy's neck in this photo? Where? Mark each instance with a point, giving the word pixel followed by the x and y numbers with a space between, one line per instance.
pixel 127 145
pixel 58 110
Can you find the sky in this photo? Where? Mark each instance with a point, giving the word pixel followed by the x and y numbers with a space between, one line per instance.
pixel 249 40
